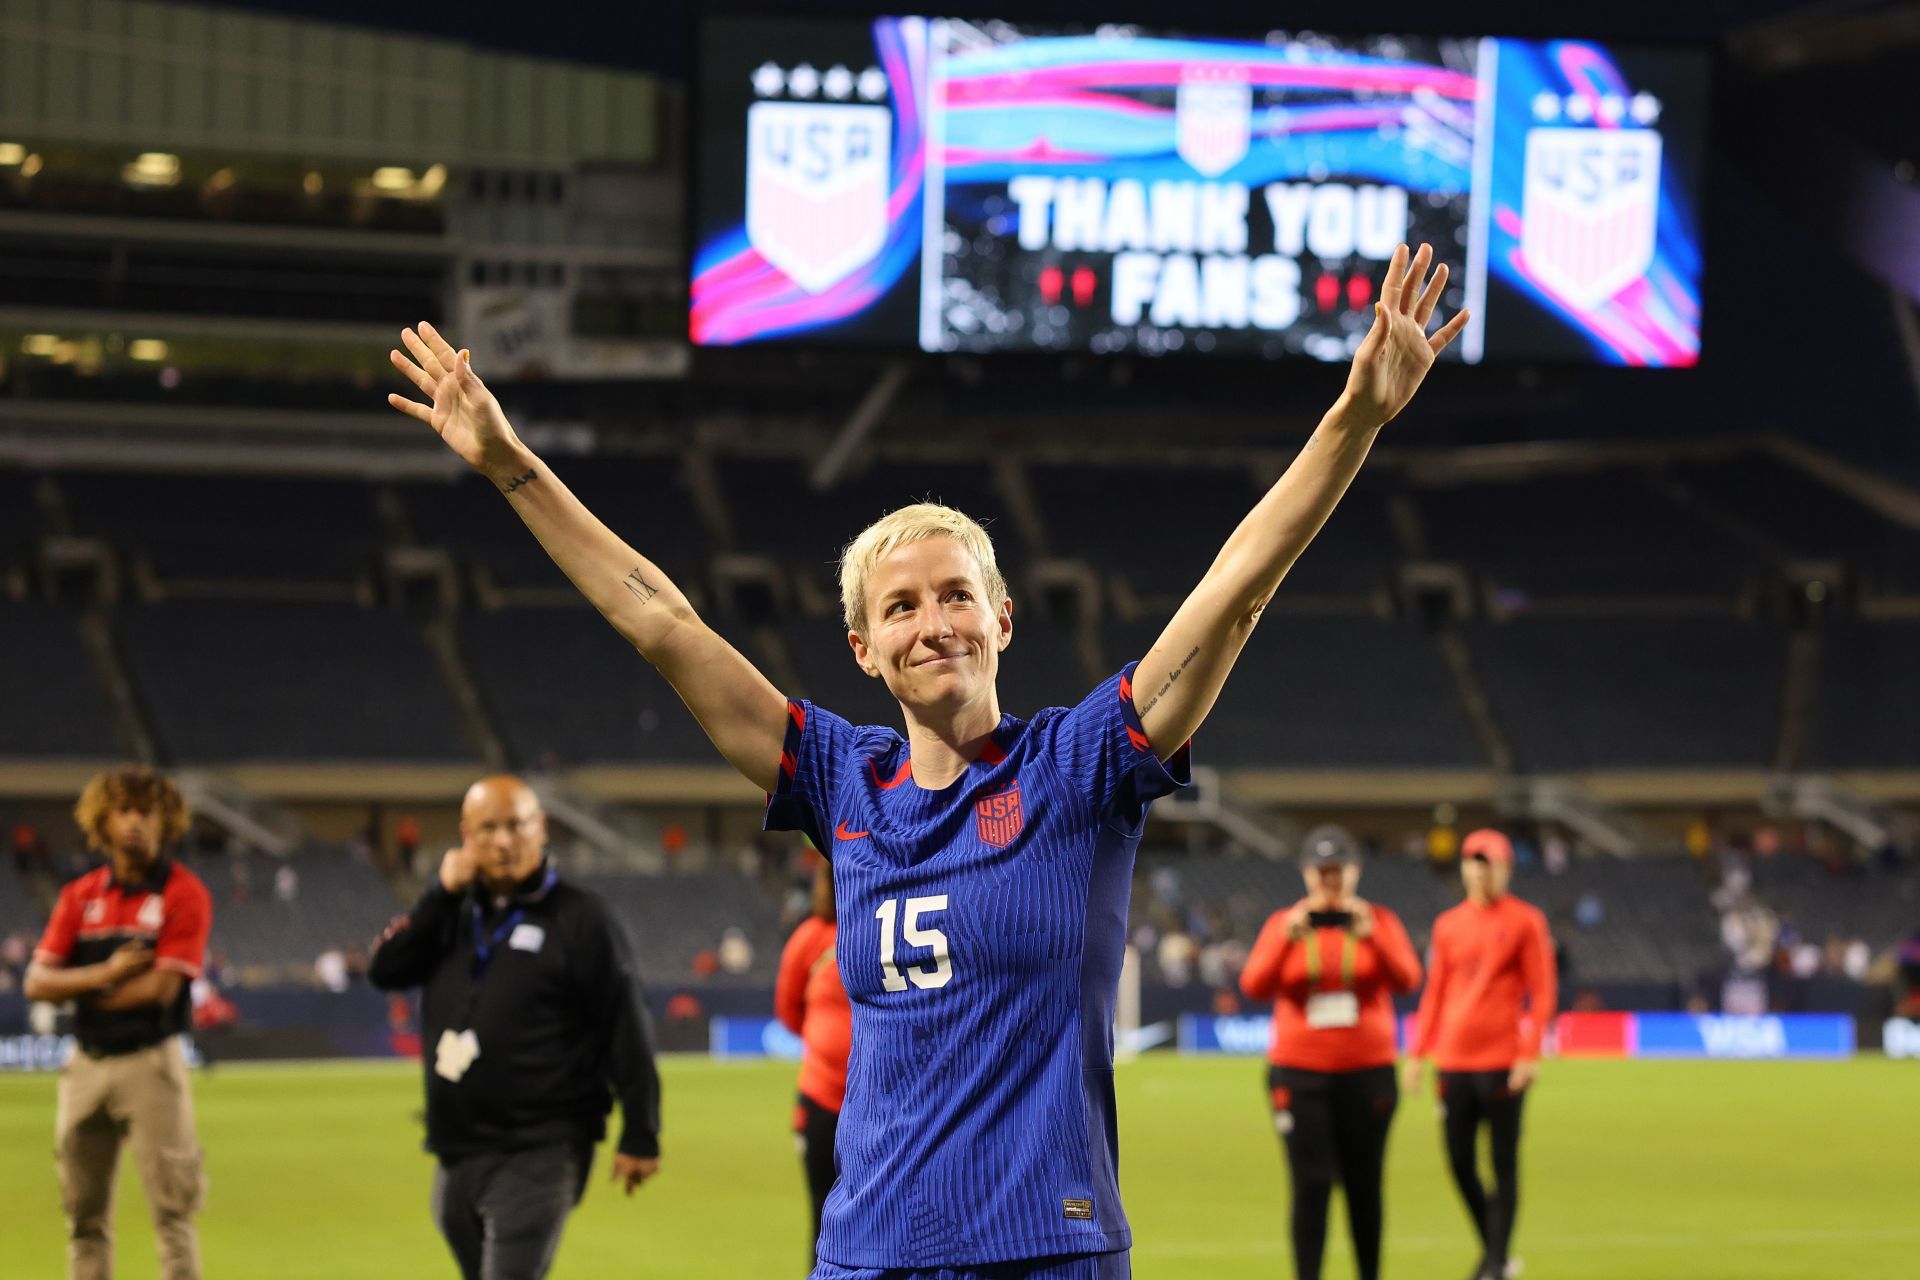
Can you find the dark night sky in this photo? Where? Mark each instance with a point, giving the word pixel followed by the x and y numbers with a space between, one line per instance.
pixel 651 35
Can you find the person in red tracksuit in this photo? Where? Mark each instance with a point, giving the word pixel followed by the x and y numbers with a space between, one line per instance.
pixel 809 999
pixel 1331 964
pixel 1491 991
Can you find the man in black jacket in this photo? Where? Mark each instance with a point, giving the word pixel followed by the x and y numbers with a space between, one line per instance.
pixel 534 1020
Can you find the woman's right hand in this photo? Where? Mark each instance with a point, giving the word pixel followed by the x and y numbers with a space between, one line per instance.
pixel 1298 926
pixel 464 413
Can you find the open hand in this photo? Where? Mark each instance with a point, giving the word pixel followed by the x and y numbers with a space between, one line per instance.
pixel 1396 354
pixel 633 1170
pixel 463 412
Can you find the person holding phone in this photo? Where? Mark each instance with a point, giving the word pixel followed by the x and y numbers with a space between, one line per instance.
pixel 1331 964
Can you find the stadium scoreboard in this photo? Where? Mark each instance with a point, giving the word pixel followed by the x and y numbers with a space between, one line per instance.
pixel 968 186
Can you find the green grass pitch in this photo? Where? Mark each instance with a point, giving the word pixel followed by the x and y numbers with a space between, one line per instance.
pixel 1690 1170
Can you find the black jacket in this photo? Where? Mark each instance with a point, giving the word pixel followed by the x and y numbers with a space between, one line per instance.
pixel 557 1010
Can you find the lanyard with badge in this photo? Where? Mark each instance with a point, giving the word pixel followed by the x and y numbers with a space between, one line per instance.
pixel 1331 1010
pixel 456 1051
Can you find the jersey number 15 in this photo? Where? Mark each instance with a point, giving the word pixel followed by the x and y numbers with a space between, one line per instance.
pixel 926 977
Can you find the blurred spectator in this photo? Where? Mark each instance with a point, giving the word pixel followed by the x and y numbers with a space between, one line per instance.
pixel 1176 956
pixel 1908 959
pixel 736 953
pixel 705 964
pixel 286 883
pixel 673 840
pixel 406 834
pixel 1856 960
pixel 684 1007
pixel 1443 840
pixel 1555 854
pixel 1590 912
pixel 1803 960
pixel 1699 840
pixel 330 970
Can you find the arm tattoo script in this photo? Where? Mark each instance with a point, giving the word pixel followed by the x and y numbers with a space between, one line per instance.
pixel 522 479
pixel 642 590
pixel 1171 677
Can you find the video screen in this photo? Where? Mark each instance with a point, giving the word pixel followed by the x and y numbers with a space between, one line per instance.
pixel 966 186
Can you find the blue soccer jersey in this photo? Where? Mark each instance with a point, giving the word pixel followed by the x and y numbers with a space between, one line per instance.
pixel 981 930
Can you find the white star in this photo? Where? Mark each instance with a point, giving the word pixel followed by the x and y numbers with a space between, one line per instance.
pixel 768 80
pixel 1613 108
pixel 1546 106
pixel 1579 109
pixel 804 81
pixel 839 83
pixel 873 84
pixel 1645 108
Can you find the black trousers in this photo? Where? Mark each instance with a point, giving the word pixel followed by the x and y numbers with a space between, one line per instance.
pixel 1334 1125
pixel 814 1126
pixel 502 1211
pixel 1472 1099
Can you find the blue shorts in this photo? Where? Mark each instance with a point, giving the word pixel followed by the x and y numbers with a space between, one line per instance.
pixel 1079 1266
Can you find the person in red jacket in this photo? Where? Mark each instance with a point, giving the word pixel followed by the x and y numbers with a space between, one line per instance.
pixel 1491 991
pixel 809 999
pixel 1331 964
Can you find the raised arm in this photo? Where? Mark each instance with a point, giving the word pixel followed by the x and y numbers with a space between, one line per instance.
pixel 1177 681
pixel 739 709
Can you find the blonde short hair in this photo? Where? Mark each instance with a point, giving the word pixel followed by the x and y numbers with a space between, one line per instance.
pixel 896 529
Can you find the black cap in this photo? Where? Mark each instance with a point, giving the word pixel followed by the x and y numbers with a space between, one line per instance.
pixel 1328 846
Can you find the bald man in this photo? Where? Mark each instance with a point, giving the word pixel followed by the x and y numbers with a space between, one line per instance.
pixel 534 1022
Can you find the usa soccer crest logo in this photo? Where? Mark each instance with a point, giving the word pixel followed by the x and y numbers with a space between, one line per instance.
pixel 1213 118
pixel 817 187
pixel 1590 209
pixel 998 818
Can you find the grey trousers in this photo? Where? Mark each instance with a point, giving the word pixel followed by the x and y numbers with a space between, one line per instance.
pixel 502 1212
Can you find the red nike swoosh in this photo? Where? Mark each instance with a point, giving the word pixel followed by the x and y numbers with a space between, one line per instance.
pixel 841 833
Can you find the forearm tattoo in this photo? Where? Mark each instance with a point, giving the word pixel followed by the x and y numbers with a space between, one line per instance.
pixel 1171 677
pixel 522 479
pixel 642 590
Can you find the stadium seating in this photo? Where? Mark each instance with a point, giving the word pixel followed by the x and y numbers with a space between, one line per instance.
pixel 51 704
pixel 231 529
pixel 673 918
pixel 563 689
pixel 1603 692
pixel 230 681
pixel 1328 692
pixel 642 499
pixel 1597 534
pixel 1869 696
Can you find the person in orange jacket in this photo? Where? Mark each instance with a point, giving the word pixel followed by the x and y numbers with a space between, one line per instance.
pixel 810 1001
pixel 1331 964
pixel 1491 992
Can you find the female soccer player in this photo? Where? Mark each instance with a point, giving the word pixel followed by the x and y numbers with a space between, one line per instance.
pixel 981 862
pixel 1331 964
pixel 811 1001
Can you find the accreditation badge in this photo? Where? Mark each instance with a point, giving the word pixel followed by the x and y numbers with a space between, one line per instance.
pixel 1330 1010
pixel 455 1054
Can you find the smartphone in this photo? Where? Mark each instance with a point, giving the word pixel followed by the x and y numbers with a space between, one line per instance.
pixel 1330 919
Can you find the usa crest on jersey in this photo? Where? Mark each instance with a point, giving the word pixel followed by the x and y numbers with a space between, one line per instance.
pixel 998 818
pixel 1213 117
pixel 817 187
pixel 1591 206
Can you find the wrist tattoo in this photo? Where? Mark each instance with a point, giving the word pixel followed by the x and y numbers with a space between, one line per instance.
pixel 642 590
pixel 524 478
